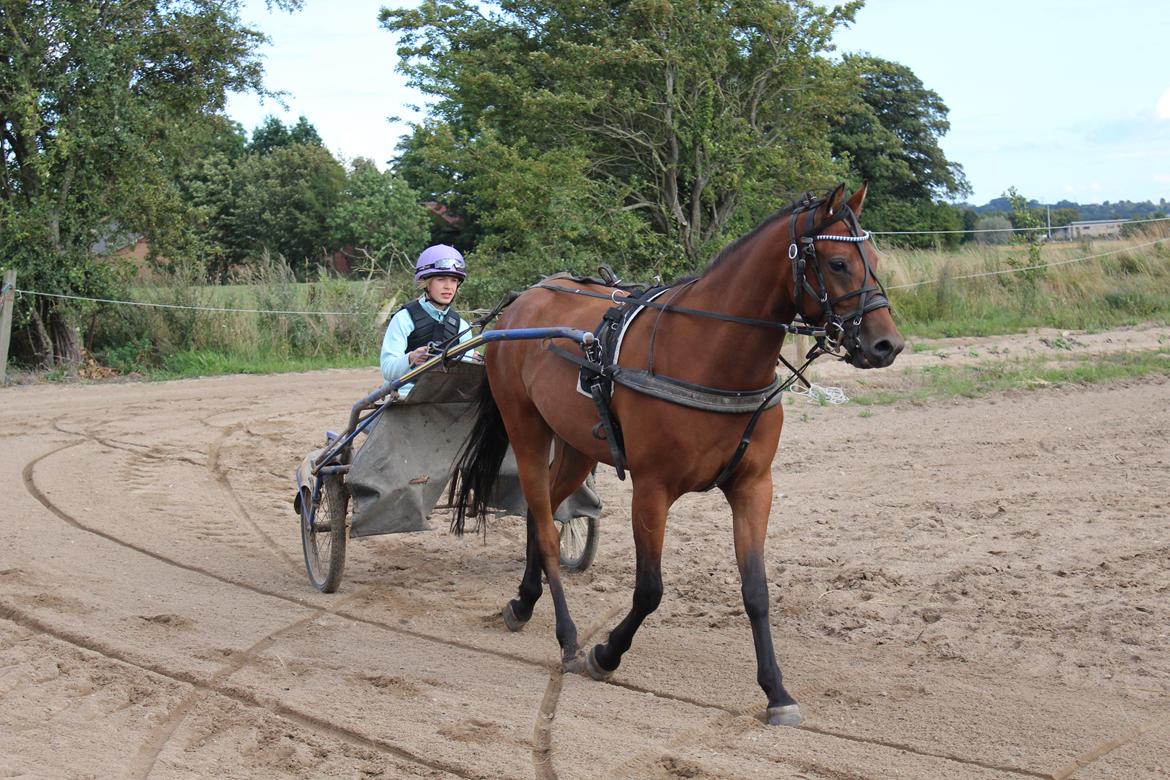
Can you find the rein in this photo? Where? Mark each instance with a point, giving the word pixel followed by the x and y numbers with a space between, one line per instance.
pixel 800 330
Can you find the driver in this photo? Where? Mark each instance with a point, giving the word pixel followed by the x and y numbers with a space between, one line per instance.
pixel 429 319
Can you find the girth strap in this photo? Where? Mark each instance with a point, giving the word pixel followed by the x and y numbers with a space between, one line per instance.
pixel 708 399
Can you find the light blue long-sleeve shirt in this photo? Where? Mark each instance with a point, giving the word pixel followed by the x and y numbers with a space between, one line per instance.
pixel 394 361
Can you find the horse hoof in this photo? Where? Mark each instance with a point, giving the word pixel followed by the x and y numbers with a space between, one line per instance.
pixel 788 715
pixel 593 668
pixel 574 665
pixel 510 620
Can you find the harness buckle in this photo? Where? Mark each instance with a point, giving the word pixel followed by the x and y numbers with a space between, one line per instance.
pixel 793 251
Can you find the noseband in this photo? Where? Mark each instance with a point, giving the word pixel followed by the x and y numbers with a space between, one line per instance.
pixel 842 332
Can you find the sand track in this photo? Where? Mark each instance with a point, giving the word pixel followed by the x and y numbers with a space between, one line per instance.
pixel 971 588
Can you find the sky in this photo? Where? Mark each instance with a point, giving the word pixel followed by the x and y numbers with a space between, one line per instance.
pixel 1061 99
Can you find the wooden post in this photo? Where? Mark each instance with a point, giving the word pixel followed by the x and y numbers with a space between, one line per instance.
pixel 801 345
pixel 6 321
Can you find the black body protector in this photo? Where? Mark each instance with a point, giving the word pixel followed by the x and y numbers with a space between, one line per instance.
pixel 428 330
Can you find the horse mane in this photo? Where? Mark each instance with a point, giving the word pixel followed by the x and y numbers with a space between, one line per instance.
pixel 738 243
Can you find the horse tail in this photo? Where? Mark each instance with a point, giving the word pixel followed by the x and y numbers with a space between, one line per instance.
pixel 478 464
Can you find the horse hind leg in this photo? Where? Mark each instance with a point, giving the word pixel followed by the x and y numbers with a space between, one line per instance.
pixel 568 470
pixel 531 439
pixel 518 611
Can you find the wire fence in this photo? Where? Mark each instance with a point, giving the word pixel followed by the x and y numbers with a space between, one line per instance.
pixel 905 286
pixel 220 309
pixel 1023 269
pixel 970 231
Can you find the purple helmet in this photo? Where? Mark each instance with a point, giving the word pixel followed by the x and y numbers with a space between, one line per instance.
pixel 439 260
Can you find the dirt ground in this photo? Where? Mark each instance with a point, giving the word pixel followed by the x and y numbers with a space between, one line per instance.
pixel 962 589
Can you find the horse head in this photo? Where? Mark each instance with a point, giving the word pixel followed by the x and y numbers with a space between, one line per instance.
pixel 835 284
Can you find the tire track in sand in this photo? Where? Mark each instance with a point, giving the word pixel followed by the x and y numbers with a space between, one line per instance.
pixel 152 747
pixel 35 492
pixel 1121 740
pixel 216 685
pixel 212 465
pixel 542 732
pixel 220 475
pixel 542 749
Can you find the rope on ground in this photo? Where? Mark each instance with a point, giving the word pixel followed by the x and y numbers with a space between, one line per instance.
pixel 819 394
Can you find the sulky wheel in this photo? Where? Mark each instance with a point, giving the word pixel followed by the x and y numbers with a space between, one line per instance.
pixel 578 543
pixel 324 541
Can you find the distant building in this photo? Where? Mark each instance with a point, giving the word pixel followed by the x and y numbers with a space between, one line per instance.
pixel 1086 229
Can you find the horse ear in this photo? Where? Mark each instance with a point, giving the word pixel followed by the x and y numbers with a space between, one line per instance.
pixel 834 200
pixel 858 198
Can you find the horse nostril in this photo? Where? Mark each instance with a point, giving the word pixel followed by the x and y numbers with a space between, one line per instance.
pixel 885 350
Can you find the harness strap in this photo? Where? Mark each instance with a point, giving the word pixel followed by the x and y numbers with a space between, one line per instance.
pixel 613 433
pixel 708 399
pixel 599 377
pixel 745 440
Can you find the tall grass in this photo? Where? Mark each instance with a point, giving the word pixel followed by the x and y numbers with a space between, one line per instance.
pixel 279 324
pixel 943 294
pixel 934 293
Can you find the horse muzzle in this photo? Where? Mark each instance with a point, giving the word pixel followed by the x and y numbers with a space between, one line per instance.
pixel 876 353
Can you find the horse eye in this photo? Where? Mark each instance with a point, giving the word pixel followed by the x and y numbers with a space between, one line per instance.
pixel 837 266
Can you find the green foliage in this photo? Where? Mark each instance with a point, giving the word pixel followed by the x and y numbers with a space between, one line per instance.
pixel 328 321
pixel 285 200
pixel 995 229
pixel 379 220
pixel 888 134
pixel 891 130
pixel 1035 373
pixel 1027 220
pixel 95 102
pixel 647 133
pixel 273 134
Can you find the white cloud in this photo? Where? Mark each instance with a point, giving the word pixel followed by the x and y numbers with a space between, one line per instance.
pixel 1162 107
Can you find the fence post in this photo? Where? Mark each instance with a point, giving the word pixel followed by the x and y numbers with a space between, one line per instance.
pixel 6 296
pixel 803 344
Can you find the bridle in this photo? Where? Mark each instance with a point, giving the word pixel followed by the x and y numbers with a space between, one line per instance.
pixel 842 332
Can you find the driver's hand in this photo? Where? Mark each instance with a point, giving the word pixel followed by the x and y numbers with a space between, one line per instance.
pixel 418 356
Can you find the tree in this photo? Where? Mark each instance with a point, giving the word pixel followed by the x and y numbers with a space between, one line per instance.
pixel 993 229
pixel 94 101
pixel 889 136
pixel 285 202
pixel 379 216
pixel 641 130
pixel 268 135
pixel 273 134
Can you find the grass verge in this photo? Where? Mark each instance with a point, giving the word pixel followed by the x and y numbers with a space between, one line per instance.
pixel 939 382
pixel 205 362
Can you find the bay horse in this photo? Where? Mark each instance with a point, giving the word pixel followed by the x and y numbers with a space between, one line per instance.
pixel 810 260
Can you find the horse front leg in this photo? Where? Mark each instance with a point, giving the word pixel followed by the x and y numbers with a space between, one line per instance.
pixel 751 501
pixel 648 516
